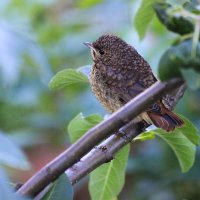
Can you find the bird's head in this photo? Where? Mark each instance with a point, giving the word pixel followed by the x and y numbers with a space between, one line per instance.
pixel 108 49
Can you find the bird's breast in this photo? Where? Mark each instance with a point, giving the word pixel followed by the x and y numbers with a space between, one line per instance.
pixel 100 84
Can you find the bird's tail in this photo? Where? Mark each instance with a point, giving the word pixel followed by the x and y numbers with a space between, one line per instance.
pixel 166 119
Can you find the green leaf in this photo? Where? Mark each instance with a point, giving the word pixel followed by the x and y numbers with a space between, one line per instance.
pixel 177 58
pixel 67 77
pixel 169 66
pixel 192 78
pixel 173 22
pixel 11 155
pixel 107 180
pixel 145 136
pixel 61 189
pixel 177 2
pixel 192 6
pixel 183 142
pixel 88 3
pixel 190 131
pixel 144 16
pixel 80 124
pixel 183 148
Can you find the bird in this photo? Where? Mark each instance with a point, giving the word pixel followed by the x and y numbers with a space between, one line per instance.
pixel 119 73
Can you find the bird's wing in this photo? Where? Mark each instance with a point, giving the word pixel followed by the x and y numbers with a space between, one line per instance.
pixel 129 87
pixel 157 112
pixel 129 91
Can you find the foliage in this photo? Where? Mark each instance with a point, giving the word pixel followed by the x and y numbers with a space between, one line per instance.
pixel 106 181
pixel 177 24
pixel 144 16
pixel 185 54
pixel 177 57
pixel 40 37
pixel 5 189
pixel 60 189
pixel 65 78
pixel 88 3
pixel 182 140
pixel 80 124
pixel 11 155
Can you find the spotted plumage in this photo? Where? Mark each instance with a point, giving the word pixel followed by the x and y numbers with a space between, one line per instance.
pixel 120 73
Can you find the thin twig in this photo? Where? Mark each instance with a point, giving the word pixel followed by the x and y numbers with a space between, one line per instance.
pixel 94 136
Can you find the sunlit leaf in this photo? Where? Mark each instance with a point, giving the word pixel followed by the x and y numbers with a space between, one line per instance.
pixel 144 16
pixel 190 131
pixel 61 189
pixel 80 124
pixel 67 77
pixel 88 3
pixel 183 148
pixel 182 140
pixel 11 155
pixel 145 136
pixel 107 180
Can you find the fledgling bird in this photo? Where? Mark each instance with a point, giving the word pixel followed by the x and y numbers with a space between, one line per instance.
pixel 120 73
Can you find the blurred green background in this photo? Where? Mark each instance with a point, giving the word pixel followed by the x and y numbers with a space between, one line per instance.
pixel 41 37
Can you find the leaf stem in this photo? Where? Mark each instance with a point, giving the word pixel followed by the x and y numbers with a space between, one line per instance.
pixel 186 36
pixel 196 33
pixel 195 38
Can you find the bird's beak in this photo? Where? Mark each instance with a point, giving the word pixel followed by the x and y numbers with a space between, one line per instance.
pixel 89 44
pixel 92 49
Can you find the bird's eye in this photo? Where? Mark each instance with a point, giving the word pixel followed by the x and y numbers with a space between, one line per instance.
pixel 101 52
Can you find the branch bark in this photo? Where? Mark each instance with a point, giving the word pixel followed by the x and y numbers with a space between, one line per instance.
pixel 100 154
pixel 105 151
pixel 94 136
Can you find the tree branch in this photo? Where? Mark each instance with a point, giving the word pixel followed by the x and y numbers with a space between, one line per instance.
pixel 105 151
pixel 100 154
pixel 95 135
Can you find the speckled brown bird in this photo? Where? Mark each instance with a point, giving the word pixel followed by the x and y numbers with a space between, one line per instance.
pixel 120 73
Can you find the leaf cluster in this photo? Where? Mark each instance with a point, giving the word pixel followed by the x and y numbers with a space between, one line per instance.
pixel 107 180
pixel 180 60
pixel 182 18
